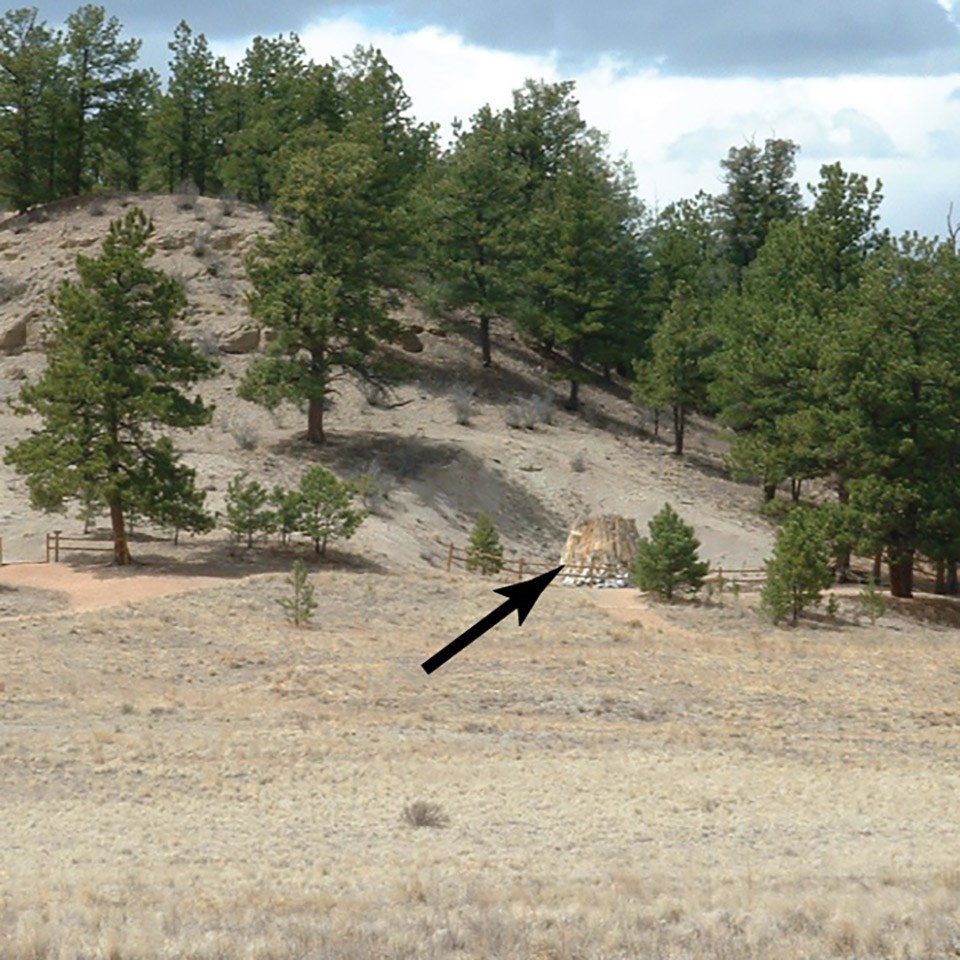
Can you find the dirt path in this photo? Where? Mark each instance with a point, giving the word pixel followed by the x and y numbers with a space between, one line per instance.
pixel 95 588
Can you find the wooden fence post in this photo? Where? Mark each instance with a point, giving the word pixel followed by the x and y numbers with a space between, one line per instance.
pixel 520 569
pixel 56 546
pixel 1 551
pixel 450 559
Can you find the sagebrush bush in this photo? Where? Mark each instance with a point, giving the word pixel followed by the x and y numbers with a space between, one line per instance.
pixel 462 398
pixel 422 813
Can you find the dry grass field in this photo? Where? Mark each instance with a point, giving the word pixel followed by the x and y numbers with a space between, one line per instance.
pixel 192 777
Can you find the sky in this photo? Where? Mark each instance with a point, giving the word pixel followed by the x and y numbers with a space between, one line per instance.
pixel 874 84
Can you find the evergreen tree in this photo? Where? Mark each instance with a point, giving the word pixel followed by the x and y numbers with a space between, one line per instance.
pixel 114 375
pixel 485 552
pixel 470 203
pixel 29 68
pixel 287 511
pixel 247 508
pixel 760 192
pixel 185 126
pixel 100 81
pixel 677 375
pixel 301 605
pixel 799 569
pixel 667 561
pixel 327 508
pixel 575 295
pixel 315 283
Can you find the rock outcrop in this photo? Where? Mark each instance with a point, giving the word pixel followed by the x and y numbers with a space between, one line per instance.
pixel 600 551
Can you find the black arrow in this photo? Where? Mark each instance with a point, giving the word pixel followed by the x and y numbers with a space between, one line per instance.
pixel 520 597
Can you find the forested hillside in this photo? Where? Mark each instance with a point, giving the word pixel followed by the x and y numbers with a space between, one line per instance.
pixel 829 349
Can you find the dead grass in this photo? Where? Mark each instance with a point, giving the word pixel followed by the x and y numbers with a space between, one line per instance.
pixel 192 777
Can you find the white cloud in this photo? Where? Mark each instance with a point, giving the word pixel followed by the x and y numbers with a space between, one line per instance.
pixel 675 130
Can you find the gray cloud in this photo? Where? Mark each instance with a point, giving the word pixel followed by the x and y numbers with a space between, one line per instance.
pixel 694 37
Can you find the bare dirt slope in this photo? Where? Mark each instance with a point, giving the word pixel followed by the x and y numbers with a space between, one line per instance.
pixel 433 474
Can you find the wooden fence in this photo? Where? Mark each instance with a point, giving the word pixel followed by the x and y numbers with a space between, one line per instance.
pixel 56 542
pixel 521 567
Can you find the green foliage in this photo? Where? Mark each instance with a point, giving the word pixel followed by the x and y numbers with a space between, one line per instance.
pixel 301 605
pixel 667 561
pixel 247 508
pixel 316 283
pixel 485 552
pixel 114 376
pixel 799 569
pixel 872 602
pixel 327 511
pixel 677 377
pixel 287 510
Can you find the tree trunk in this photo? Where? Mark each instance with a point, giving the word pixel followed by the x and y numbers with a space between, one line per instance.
pixel 901 576
pixel 679 426
pixel 121 551
pixel 315 432
pixel 843 550
pixel 953 587
pixel 485 340
pixel 795 486
pixel 769 491
pixel 656 424
pixel 877 566
pixel 573 401
pixel 941 583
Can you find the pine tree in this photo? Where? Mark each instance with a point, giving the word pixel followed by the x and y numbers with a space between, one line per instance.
pixel 667 561
pixel 247 510
pixel 114 376
pixel 316 282
pixel 676 376
pixel 485 552
pixel 287 511
pixel 799 569
pixel 301 606
pixel 327 511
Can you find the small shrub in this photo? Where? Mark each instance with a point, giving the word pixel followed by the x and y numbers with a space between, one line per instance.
pixel 462 399
pixel 301 605
pixel 833 607
pixel 422 813
pixel 872 602
pixel 543 408
pixel 187 194
pixel 245 435
pixel 579 463
pixel 485 552
pixel 228 203
pixel 200 244
pixel 207 343
pixel 667 560
pixel 247 512
pixel 799 569
pixel 97 207
pixel 521 415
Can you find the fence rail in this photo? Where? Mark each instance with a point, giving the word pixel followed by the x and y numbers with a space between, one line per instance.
pixel 56 542
pixel 521 566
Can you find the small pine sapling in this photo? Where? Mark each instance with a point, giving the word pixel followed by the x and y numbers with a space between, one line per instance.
pixel 799 569
pixel 872 602
pixel 301 605
pixel 287 511
pixel 485 552
pixel 327 510
pixel 667 561
pixel 247 512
